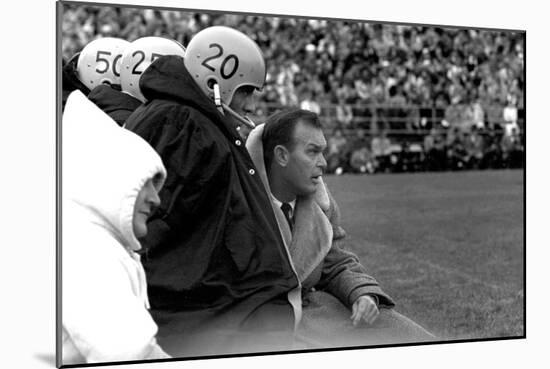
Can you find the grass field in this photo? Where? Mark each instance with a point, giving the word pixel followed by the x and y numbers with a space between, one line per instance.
pixel 449 247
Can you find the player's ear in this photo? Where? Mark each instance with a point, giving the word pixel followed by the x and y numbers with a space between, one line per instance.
pixel 280 155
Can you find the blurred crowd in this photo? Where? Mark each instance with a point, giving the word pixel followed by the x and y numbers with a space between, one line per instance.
pixel 441 150
pixel 413 84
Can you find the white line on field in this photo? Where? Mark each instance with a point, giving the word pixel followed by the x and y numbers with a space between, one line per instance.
pixel 446 270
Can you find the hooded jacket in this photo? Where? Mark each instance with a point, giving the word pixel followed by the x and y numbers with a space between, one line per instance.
pixel 104 293
pixel 316 242
pixel 118 105
pixel 217 269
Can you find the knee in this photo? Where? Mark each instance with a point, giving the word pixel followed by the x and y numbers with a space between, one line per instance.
pixel 410 330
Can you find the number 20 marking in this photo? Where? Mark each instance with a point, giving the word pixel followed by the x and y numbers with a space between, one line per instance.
pixel 224 62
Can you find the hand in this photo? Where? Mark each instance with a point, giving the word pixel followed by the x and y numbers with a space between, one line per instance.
pixel 364 308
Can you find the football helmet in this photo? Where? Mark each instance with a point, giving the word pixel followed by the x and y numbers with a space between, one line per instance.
pixel 139 55
pixel 220 60
pixel 99 62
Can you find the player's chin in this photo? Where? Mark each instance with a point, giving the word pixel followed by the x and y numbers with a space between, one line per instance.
pixel 140 227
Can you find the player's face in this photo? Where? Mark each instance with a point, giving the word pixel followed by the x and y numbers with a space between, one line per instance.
pixel 244 100
pixel 243 103
pixel 306 162
pixel 146 202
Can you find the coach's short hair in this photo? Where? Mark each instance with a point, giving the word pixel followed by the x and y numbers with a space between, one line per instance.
pixel 279 128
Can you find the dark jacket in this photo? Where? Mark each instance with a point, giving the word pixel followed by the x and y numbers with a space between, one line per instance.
pixel 341 274
pixel 114 103
pixel 70 81
pixel 216 265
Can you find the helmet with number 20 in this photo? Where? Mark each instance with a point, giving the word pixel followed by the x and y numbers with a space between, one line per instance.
pixel 139 55
pixel 224 56
pixel 99 61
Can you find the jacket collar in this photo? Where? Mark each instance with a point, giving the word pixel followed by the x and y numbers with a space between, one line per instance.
pixel 168 78
pixel 109 99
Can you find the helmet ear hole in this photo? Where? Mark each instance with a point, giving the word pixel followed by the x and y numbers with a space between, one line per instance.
pixel 211 82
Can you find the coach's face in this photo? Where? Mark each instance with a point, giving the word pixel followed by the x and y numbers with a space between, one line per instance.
pixel 305 162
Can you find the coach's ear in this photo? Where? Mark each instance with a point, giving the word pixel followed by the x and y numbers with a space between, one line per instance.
pixel 281 155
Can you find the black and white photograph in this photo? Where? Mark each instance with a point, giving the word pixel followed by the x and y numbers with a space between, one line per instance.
pixel 238 183
pixel 278 185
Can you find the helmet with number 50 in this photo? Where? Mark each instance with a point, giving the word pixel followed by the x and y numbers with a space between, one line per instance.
pixel 139 55
pixel 225 57
pixel 99 62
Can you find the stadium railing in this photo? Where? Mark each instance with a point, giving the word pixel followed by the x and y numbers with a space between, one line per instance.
pixel 402 123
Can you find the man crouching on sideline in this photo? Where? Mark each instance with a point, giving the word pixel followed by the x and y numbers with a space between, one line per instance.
pixel 288 151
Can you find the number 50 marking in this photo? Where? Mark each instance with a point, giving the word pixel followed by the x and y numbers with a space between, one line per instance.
pixel 223 72
pixel 99 58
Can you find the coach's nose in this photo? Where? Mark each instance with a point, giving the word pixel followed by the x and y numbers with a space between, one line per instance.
pixel 322 163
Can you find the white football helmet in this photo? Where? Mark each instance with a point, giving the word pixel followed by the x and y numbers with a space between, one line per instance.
pixel 139 55
pixel 99 62
pixel 220 60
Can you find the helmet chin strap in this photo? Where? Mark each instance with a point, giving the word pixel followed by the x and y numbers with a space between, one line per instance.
pixel 222 107
pixel 217 98
pixel 244 120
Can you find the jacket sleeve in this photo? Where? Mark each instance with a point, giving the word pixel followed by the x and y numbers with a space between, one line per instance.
pixel 343 275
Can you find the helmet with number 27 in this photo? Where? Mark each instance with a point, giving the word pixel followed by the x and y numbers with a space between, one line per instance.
pixel 226 57
pixel 99 62
pixel 139 55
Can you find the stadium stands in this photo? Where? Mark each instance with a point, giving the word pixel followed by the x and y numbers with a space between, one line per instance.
pixel 417 84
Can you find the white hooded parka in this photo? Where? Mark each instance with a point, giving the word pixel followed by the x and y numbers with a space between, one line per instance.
pixel 104 308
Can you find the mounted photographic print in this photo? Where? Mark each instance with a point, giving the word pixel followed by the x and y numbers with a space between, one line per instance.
pixel 241 184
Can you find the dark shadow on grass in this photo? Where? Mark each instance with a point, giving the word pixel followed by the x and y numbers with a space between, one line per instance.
pixel 46 358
